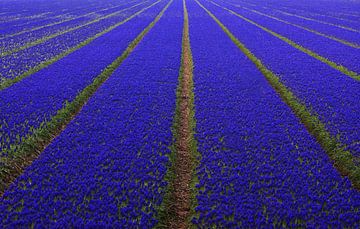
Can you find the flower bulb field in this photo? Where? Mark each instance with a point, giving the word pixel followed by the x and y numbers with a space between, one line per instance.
pixel 179 114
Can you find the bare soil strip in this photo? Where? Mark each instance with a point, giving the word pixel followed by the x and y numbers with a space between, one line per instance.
pixel 183 157
pixel 179 206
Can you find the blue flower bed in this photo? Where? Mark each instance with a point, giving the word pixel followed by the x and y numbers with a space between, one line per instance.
pixel 107 168
pixel 259 166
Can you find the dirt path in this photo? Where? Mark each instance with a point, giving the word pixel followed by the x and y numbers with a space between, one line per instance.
pixel 184 161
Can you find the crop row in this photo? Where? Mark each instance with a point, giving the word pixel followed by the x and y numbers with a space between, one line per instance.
pixel 331 37
pixel 56 15
pixel 275 15
pixel 313 18
pixel 26 35
pixel 19 41
pixel 108 165
pixel 272 125
pixel 34 53
pixel 346 10
pixel 259 167
pixel 326 92
pixel 319 17
pixel 335 28
pixel 28 104
pixel 340 55
pixel 27 17
pixel 20 12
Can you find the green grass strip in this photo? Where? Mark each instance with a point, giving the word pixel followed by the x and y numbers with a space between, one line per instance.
pixel 342 159
pixel 57 23
pixel 20 156
pixel 163 212
pixel 332 64
pixel 5 83
pixel 43 39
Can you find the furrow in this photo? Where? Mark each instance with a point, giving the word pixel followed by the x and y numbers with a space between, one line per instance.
pixel 179 203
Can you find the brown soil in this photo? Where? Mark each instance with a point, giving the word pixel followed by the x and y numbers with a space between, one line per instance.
pixel 181 196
